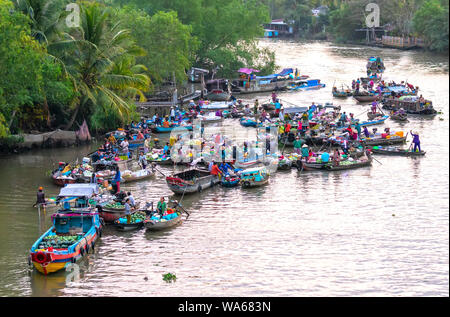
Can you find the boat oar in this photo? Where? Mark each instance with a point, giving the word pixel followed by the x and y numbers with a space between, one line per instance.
pixel 181 207
pixel 377 160
pixel 159 171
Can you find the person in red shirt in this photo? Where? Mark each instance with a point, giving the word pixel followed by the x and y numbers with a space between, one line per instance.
pixel 215 170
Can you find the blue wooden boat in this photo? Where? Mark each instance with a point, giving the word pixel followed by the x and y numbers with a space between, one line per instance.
pixel 247 122
pixel 230 181
pixel 374 122
pixel 76 227
pixel 311 84
pixel 170 129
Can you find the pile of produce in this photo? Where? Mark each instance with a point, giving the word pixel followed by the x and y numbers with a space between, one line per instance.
pixel 58 242
pixel 115 205
pixel 135 218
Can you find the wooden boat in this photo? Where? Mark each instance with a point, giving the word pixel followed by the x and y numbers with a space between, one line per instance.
pixel 210 118
pixel 254 177
pixel 366 98
pixel 75 230
pixel 248 122
pixel 304 85
pixel 284 164
pixel 230 181
pixel 399 117
pixel 62 181
pixel 157 225
pixel 342 94
pixel 214 106
pixel 343 165
pixel 383 141
pixel 374 122
pixel 137 222
pixel 111 214
pixel 411 105
pixel 373 116
pixel 191 181
pixel 137 176
pixel 218 90
pixel 170 129
pixel 393 150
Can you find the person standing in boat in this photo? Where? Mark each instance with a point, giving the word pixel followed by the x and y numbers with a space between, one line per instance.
pixel 255 108
pixel 116 180
pixel 143 160
pixel 161 207
pixel 374 107
pixel 274 97
pixel 305 152
pixel 128 210
pixel 40 197
pixel 416 141
pixel 336 157
pixel 298 145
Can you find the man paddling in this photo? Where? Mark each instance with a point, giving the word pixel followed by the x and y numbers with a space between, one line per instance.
pixel 416 141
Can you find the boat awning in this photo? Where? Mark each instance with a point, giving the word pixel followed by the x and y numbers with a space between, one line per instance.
pixel 286 72
pixel 295 110
pixel 397 89
pixel 248 71
pixel 79 190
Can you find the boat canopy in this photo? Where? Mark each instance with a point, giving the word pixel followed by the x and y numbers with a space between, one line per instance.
pixel 397 89
pixel 79 190
pixel 295 110
pixel 284 72
pixel 255 170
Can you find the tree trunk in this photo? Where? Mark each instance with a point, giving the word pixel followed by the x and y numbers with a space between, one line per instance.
pixel 12 119
pixel 74 116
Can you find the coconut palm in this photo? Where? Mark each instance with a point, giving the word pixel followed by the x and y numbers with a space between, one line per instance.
pixel 99 57
pixel 45 16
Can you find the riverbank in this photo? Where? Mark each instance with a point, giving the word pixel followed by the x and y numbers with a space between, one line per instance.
pixel 54 139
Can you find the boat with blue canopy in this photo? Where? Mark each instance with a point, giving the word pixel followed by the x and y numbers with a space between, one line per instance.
pixel 76 227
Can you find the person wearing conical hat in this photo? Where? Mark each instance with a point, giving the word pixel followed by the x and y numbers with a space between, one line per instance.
pixel 305 152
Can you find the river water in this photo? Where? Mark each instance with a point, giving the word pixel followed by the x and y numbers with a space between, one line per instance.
pixel 376 231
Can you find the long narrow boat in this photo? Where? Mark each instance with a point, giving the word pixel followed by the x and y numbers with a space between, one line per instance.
pixel 191 181
pixel 368 98
pixel 110 212
pixel 170 129
pixel 76 228
pixel 393 150
pixel 383 141
pixel 343 165
pixel 374 121
pixel 230 181
pixel 248 122
pixel 136 223
pixel 137 175
pixel 168 221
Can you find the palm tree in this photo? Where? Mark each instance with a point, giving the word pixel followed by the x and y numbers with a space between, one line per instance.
pixel 45 16
pixel 99 58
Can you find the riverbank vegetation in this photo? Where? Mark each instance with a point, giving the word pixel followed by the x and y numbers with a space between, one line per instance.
pixel 338 19
pixel 56 75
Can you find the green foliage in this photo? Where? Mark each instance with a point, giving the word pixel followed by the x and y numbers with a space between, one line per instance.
pixel 100 59
pixel 168 43
pixel 169 277
pixel 431 22
pixel 20 59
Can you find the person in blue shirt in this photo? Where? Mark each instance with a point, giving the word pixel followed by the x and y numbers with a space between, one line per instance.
pixel 166 150
pixel 116 180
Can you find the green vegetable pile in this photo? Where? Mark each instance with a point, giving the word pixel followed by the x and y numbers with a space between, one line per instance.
pixel 137 217
pixel 114 206
pixel 58 242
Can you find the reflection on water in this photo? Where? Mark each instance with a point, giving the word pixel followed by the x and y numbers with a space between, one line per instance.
pixel 380 230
